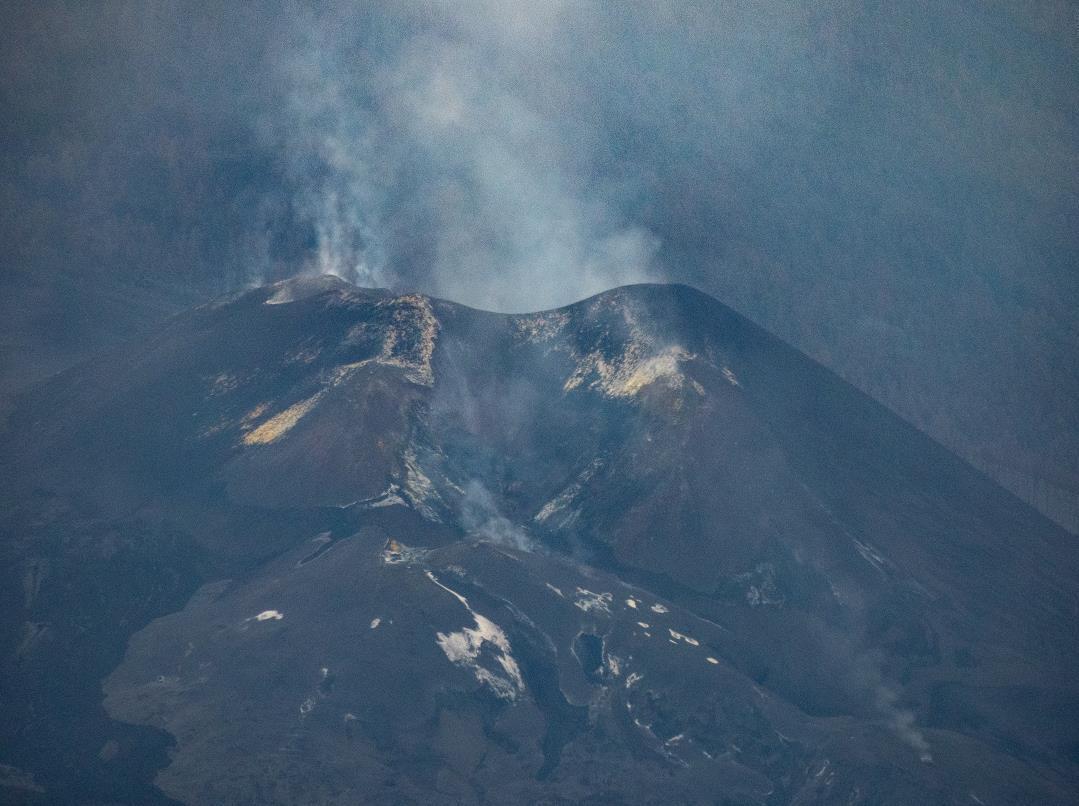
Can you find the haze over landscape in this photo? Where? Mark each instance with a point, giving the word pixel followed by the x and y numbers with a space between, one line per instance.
pixel 662 402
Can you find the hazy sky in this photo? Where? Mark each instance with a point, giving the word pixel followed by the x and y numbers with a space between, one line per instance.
pixel 893 187
pixel 516 155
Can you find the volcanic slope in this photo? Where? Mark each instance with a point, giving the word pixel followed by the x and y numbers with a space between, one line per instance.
pixel 316 543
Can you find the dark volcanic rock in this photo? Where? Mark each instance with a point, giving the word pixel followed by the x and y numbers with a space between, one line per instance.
pixel 322 544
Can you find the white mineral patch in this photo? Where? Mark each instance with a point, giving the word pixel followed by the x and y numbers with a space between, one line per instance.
pixel 564 499
pixel 540 327
pixel 871 555
pixel 640 365
pixel 463 648
pixel 302 354
pixel 614 665
pixel 593 602
pixel 677 636
pixel 222 384
pixel 557 504
pixel 418 488
pixel 389 498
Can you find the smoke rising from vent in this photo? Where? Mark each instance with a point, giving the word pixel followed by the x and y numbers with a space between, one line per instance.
pixel 421 158
pixel 481 518
pixel 902 721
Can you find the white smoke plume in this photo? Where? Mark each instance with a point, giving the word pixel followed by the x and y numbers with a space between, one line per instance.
pixel 422 156
pixel 481 518
pixel 903 722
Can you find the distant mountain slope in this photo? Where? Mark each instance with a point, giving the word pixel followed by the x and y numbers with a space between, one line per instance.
pixel 340 544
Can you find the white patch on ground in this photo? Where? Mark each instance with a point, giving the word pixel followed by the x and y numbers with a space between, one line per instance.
pixel 677 636
pixel 871 555
pixel 302 354
pixel 222 384
pixel 375 622
pixel 556 590
pixel 269 615
pixel 658 608
pixel 757 597
pixel 614 665
pixel 418 488
pixel 712 660
pixel 308 705
pixel 390 497
pixel 664 367
pixel 540 327
pixel 564 499
pixel 463 648
pixel 559 502
pixel 633 679
pixel 762 590
pixel 639 366
pixel 591 602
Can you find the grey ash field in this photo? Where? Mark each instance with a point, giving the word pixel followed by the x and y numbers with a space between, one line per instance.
pixel 319 544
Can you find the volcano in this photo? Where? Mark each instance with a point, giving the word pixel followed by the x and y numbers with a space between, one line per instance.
pixel 322 544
